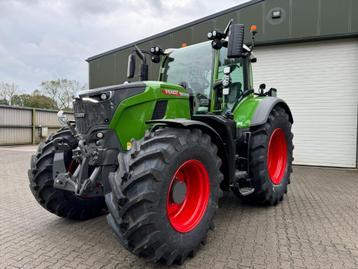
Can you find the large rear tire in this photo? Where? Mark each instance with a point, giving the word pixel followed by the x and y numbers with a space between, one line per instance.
pixel 165 194
pixel 62 203
pixel 270 159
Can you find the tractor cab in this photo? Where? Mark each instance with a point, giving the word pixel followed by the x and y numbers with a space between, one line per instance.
pixel 200 69
pixel 217 74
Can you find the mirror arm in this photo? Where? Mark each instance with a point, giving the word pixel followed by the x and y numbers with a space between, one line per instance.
pixel 227 28
pixel 140 54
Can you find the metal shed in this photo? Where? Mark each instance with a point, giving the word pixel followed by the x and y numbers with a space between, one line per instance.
pixel 308 49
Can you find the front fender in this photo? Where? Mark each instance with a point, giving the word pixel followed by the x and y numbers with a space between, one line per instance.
pixel 184 123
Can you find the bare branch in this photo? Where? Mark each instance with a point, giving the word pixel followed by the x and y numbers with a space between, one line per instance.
pixel 62 91
pixel 7 91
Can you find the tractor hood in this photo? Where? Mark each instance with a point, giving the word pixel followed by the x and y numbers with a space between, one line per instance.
pixel 96 107
pixel 114 90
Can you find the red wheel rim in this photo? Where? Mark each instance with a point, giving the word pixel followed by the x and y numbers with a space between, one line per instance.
pixel 277 156
pixel 187 214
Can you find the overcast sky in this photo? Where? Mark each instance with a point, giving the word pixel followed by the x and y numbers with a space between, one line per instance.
pixel 49 39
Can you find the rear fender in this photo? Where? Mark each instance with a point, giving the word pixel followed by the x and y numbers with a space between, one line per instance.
pixel 264 109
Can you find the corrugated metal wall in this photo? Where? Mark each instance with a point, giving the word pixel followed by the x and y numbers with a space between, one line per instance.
pixel 12 117
pixel 318 81
pixel 20 125
pixel 13 136
pixel 46 118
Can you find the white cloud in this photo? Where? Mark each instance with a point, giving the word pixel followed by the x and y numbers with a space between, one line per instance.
pixel 42 40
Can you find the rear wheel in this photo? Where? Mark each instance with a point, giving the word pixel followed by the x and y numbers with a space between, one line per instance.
pixel 270 159
pixel 165 193
pixel 62 203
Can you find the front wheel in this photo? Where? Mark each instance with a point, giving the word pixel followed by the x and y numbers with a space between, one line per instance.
pixel 270 159
pixel 165 194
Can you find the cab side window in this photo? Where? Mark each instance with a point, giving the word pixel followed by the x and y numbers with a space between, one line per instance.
pixel 237 76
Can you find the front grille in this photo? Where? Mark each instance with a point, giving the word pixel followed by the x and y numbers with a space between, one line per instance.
pixel 99 111
pixel 89 114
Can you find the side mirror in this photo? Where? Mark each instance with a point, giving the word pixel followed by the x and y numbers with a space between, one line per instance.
pixel 236 41
pixel 131 66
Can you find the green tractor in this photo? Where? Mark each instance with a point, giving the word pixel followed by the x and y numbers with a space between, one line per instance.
pixel 157 155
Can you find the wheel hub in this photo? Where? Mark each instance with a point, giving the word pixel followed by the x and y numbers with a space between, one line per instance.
pixel 178 192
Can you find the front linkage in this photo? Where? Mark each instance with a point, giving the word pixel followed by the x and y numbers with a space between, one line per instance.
pixel 91 162
pixel 79 181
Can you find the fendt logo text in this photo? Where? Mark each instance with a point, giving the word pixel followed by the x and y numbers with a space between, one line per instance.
pixel 174 92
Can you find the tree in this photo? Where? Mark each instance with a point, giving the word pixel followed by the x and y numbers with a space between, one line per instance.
pixel 4 102
pixel 20 99
pixel 62 91
pixel 51 88
pixel 41 101
pixel 35 100
pixel 7 91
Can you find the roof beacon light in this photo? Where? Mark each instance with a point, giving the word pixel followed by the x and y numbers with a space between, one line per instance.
pixel 253 29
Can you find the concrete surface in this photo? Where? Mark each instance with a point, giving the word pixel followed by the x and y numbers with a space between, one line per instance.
pixel 316 226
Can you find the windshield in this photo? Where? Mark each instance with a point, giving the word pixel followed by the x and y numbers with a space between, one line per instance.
pixel 191 65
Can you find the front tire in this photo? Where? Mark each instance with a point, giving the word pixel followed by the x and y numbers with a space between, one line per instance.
pixel 149 211
pixel 270 159
pixel 60 202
